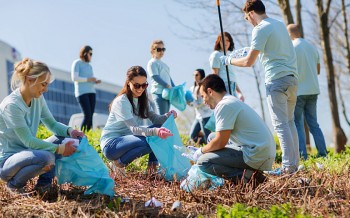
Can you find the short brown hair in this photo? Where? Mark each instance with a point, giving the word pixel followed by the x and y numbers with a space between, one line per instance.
pixel 254 5
pixel 214 82
pixel 84 52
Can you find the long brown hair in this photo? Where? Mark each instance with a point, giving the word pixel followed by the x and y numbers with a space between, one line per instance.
pixel 142 100
pixel 217 46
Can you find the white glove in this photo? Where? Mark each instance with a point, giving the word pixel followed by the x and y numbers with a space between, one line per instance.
pixel 197 154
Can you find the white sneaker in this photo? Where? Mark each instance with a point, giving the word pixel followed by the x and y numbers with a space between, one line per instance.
pixel 116 171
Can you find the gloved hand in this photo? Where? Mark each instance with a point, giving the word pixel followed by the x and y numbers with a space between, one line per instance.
pixel 163 133
pixel 172 112
pixel 197 154
pixel 225 60
pixel 66 149
pixel 75 133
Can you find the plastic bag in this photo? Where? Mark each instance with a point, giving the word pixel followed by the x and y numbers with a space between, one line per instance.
pixel 189 96
pixel 239 53
pixel 165 93
pixel 177 97
pixel 85 168
pixel 211 123
pixel 170 159
pixel 197 179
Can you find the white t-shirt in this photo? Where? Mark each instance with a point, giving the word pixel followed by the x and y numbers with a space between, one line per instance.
pixel 248 132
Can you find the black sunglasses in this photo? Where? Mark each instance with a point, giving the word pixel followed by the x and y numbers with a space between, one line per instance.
pixel 160 49
pixel 90 54
pixel 138 86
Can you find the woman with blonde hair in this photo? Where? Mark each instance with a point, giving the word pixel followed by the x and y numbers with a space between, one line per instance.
pixel 22 155
pixel 159 73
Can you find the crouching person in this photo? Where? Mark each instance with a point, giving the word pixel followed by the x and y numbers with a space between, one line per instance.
pixel 22 155
pixel 242 144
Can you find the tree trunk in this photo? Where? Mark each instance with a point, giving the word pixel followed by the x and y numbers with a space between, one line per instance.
pixel 346 36
pixel 286 13
pixel 339 136
pixel 298 17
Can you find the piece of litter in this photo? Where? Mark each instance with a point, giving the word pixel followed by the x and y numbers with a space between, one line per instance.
pixel 301 168
pixel 319 166
pixel 75 144
pixel 176 206
pixel 153 203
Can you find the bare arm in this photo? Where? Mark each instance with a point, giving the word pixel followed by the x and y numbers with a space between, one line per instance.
pixel 215 71
pixel 246 61
pixel 318 69
pixel 219 142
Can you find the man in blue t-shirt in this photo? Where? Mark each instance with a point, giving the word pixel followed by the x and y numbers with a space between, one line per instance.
pixel 308 68
pixel 242 142
pixel 271 42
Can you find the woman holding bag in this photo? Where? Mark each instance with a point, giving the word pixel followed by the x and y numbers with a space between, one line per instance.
pixel 123 138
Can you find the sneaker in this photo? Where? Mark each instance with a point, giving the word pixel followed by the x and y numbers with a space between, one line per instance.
pixel 116 171
pixel 281 171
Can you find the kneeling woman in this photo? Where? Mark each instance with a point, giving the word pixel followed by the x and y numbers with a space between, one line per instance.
pixel 124 138
pixel 22 155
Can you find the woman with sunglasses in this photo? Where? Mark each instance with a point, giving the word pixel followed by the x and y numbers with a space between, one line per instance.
pixel 84 85
pixel 202 111
pixel 22 155
pixel 219 69
pixel 160 77
pixel 123 138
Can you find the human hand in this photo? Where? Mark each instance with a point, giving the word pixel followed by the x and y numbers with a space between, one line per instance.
pixel 168 86
pixel 76 133
pixel 163 133
pixel 241 97
pixel 66 149
pixel 172 112
pixel 197 154
pixel 225 60
pixel 98 81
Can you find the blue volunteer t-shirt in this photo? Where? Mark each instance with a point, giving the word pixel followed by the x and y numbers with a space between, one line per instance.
pixel 249 133
pixel 157 67
pixel 277 54
pixel 82 70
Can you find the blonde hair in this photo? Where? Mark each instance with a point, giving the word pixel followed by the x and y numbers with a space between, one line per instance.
pixel 155 43
pixel 30 69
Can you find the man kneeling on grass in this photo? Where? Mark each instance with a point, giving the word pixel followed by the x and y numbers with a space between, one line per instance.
pixel 242 142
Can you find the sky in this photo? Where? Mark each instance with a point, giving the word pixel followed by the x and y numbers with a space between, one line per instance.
pixel 120 33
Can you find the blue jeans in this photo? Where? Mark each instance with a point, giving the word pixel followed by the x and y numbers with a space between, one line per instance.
pixel 196 127
pixel 126 149
pixel 281 99
pixel 24 165
pixel 306 108
pixel 227 162
pixel 87 103
pixel 162 105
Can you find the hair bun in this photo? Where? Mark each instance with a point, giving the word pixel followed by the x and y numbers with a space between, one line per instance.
pixel 23 67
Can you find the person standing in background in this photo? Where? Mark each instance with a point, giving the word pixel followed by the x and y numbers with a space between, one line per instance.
pixel 202 111
pixel 271 43
pixel 159 73
pixel 308 88
pixel 219 69
pixel 84 85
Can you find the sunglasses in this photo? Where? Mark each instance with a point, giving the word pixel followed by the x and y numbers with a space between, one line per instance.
pixel 138 86
pixel 160 49
pixel 90 54
pixel 196 75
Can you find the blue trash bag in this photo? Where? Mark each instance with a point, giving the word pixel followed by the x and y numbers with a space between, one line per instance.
pixel 197 179
pixel 189 96
pixel 177 97
pixel 210 125
pixel 171 161
pixel 85 168
pixel 165 93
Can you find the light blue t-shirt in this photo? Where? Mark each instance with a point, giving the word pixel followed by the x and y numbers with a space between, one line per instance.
pixel 201 109
pixel 214 61
pixel 159 68
pixel 83 71
pixel 307 59
pixel 249 133
pixel 15 115
pixel 121 111
pixel 277 54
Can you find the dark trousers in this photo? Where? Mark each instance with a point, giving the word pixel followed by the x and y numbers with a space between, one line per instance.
pixel 87 103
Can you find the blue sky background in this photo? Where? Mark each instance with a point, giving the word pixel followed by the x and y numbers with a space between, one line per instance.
pixel 120 32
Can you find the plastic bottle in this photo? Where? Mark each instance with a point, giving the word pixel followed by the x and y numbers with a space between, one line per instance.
pixel 186 151
pixel 239 53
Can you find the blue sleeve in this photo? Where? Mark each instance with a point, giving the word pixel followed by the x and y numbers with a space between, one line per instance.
pixel 159 80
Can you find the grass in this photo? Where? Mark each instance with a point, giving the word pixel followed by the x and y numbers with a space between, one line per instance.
pixel 322 189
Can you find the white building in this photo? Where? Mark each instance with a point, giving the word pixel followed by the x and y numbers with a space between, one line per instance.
pixel 60 96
